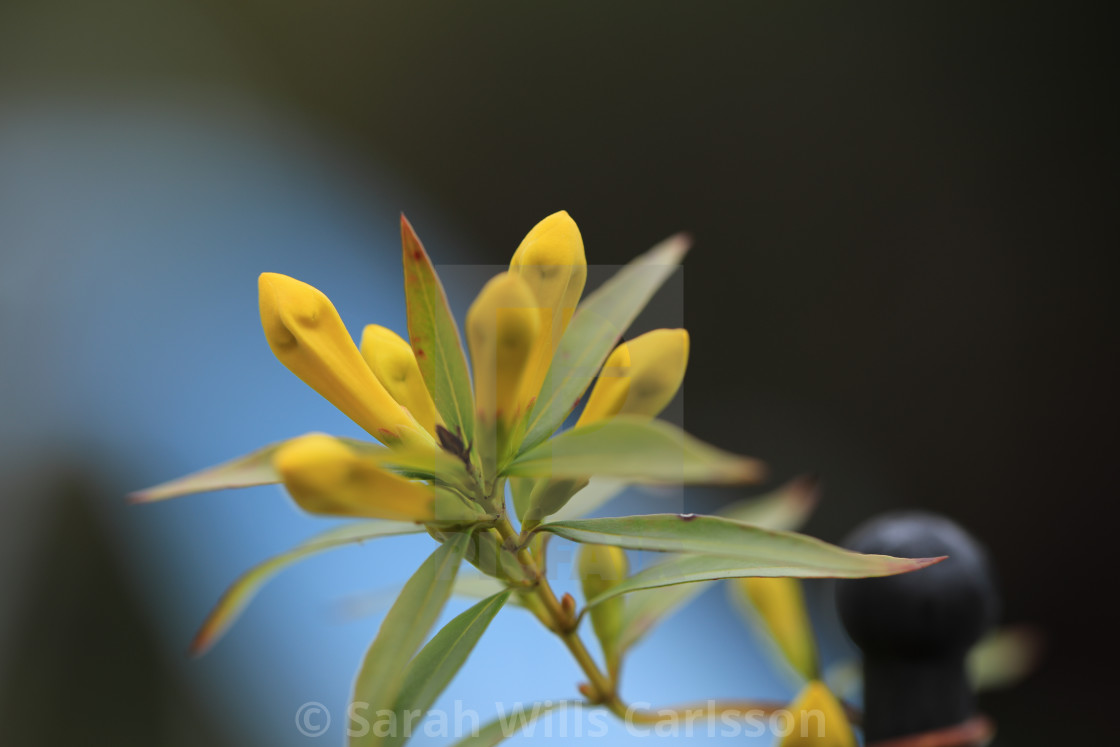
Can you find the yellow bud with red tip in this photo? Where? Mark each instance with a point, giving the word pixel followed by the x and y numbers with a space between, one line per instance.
pixel 306 335
pixel 819 720
pixel 325 476
pixel 551 260
pixel 640 377
pixel 394 364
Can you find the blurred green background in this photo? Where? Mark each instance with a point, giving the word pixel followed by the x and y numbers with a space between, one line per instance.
pixel 904 215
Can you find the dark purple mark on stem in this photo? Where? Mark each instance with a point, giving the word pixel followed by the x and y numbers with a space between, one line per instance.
pixel 687 517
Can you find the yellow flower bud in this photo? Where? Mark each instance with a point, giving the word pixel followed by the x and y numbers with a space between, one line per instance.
pixel 602 567
pixel 394 364
pixel 640 377
pixel 818 720
pixel 324 476
pixel 780 603
pixel 306 335
pixel 502 326
pixel 551 260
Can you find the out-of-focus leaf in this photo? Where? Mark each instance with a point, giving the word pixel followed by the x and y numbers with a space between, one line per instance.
pixel 434 337
pixel 432 670
pixel 787 508
pixel 508 724
pixel 235 599
pixel 521 488
pixel 775 609
pixel 769 552
pixel 479 586
pixel 404 629
pixel 550 496
pixel 637 449
pixel 252 469
pixel 256 468
pixel 597 325
pixel 1004 657
pixel 598 492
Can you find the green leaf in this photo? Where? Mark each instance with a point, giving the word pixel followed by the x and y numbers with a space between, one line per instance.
pixel 252 469
pixel 479 586
pixel 597 493
pixel 255 468
pixel 508 724
pixel 637 449
pixel 548 497
pixel 1004 657
pixel 521 488
pixel 768 552
pixel 404 629
pixel 595 328
pixel 692 568
pixel 787 508
pixel 644 609
pixel 238 596
pixel 434 337
pixel 432 670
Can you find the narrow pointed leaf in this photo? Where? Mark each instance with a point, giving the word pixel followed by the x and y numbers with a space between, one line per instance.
pixel 636 449
pixel 757 548
pixel 435 339
pixel 252 469
pixel 256 468
pixel 597 325
pixel 404 629
pixel 785 509
pixel 509 724
pixel 800 562
pixel 432 670
pixel 598 492
pixel 238 596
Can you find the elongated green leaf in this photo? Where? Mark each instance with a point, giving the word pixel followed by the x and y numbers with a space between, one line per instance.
pixel 237 597
pixel 521 489
pixel 1004 657
pixel 432 670
pixel 434 337
pixel 252 469
pixel 509 724
pixel 403 630
pixel 637 449
pixel 691 568
pixel 598 324
pixel 787 508
pixel 598 492
pixel 771 553
pixel 256 468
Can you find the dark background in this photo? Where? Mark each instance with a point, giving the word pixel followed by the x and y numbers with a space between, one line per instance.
pixel 904 217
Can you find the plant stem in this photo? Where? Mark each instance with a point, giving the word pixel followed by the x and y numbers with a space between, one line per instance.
pixel 562 622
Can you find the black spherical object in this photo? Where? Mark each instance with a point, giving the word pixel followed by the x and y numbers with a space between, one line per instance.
pixel 915 628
